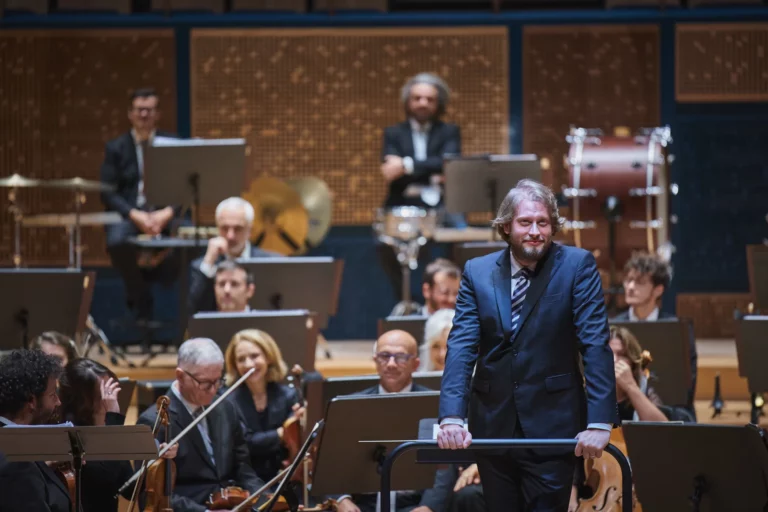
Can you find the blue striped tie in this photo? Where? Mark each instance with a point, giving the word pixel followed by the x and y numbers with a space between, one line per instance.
pixel 522 283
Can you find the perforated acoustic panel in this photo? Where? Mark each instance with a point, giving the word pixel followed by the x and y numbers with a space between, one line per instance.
pixel 314 102
pixel 63 94
pixel 723 62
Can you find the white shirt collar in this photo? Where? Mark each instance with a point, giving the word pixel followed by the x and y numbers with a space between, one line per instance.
pixel 190 407
pixel 406 389
pixel 651 318
pixel 7 421
pixel 246 251
pixel 418 127
pixel 516 266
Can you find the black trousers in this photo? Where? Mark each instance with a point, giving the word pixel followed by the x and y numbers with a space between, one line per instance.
pixel 527 480
pixel 468 499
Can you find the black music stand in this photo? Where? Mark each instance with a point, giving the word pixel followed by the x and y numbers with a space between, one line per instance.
pixel 345 465
pixel 705 468
pixel 757 263
pixel 124 398
pixel 311 283
pixel 480 183
pixel 469 250
pixel 25 443
pixel 668 341
pixel 295 331
pixel 39 300
pixel 412 324
pixel 752 355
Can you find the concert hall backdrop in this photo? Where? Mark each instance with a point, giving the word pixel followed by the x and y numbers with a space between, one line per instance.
pixel 312 95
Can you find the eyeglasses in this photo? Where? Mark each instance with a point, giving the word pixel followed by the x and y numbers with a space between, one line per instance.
pixel 400 359
pixel 144 110
pixel 206 385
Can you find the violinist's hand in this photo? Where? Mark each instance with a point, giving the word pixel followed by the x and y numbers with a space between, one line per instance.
pixel 454 437
pixel 467 477
pixel 109 391
pixel 297 369
pixel 171 453
pixel 299 412
pixel 573 505
pixel 347 505
pixel 624 378
pixel 592 442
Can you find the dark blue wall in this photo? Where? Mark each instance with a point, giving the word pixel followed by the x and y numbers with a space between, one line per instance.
pixel 721 157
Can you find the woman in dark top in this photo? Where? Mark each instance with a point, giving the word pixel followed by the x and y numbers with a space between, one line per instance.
pixel 264 404
pixel 88 393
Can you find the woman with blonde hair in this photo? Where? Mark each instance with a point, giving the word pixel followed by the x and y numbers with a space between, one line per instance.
pixel 435 344
pixel 264 403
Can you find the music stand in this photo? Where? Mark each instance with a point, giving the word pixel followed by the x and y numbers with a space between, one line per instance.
pixel 752 353
pixel 412 324
pixel 127 387
pixel 23 443
pixel 709 468
pixel 295 331
pixel 311 283
pixel 668 341
pixel 757 264
pixel 39 300
pixel 480 183
pixel 347 465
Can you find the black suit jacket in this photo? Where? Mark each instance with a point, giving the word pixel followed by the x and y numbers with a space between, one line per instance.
pixel 624 317
pixel 31 486
pixel 443 139
pixel 121 170
pixel 434 498
pixel 267 452
pixel 196 475
pixel 202 297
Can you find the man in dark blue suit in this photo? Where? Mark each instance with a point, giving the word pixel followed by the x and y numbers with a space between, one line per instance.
pixel 524 316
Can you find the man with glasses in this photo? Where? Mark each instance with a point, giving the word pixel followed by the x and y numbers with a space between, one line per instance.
pixel 123 169
pixel 215 451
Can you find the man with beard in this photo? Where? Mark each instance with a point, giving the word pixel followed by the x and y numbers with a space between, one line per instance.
pixel 440 287
pixel 412 158
pixel 28 381
pixel 523 317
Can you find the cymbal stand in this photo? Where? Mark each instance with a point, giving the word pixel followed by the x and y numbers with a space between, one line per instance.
pixel 407 255
pixel 15 210
pixel 79 201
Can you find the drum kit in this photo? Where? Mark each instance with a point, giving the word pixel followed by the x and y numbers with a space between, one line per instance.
pixel 620 194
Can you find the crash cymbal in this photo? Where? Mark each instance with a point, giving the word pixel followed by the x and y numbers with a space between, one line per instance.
pixel 81 184
pixel 316 198
pixel 281 223
pixel 18 181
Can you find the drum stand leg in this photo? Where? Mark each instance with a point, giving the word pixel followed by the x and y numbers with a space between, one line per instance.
pixel 613 214
pixel 407 256
pixel 95 337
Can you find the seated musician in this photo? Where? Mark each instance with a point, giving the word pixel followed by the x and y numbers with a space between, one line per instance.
pixel 234 219
pixel 28 380
pixel 637 400
pixel 412 158
pixel 396 358
pixel 440 287
pixel 233 287
pixel 435 344
pixel 214 452
pixel 263 402
pixel 646 277
pixel 123 168
pixel 58 345
pixel 88 392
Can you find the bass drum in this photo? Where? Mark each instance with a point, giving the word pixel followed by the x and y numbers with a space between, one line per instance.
pixel 629 175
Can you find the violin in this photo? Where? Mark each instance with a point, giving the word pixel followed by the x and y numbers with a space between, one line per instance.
pixel 66 474
pixel 227 498
pixel 161 475
pixel 604 474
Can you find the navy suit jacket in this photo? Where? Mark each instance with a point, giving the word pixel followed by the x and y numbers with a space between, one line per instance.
pixel 443 139
pixel 533 376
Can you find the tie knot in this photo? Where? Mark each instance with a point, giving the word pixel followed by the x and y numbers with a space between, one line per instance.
pixel 197 412
pixel 524 273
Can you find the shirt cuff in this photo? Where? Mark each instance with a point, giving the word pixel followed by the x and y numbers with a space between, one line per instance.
pixel 208 270
pixel 408 164
pixel 344 497
pixel 452 420
pixel 600 426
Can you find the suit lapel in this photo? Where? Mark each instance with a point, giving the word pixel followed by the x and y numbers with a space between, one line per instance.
pixel 216 431
pixel 406 139
pixel 181 420
pixel 541 277
pixel 502 284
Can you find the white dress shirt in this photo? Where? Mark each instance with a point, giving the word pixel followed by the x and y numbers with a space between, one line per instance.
pixel 651 318
pixel 140 198
pixel 210 270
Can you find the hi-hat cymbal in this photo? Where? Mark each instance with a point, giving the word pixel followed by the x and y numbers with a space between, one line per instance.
pixel 18 181
pixel 281 223
pixel 81 184
pixel 316 198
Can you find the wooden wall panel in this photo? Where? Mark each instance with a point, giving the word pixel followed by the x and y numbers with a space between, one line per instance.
pixel 721 62
pixel 314 102
pixel 63 94
pixel 599 76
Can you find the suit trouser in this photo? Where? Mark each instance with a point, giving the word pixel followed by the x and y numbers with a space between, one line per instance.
pixel 526 480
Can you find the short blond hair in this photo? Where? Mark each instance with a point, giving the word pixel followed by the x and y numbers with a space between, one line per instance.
pixel 276 367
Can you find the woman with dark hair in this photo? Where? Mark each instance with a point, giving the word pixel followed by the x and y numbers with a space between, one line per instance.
pixel 88 392
pixel 58 345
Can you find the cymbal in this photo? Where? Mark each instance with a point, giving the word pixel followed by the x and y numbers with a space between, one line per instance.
pixel 281 223
pixel 18 181
pixel 316 198
pixel 78 183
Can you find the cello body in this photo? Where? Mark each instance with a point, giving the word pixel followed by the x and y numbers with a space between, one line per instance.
pixel 603 476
